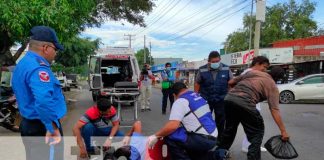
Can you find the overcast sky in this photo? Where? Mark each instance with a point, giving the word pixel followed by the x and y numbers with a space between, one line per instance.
pixel 188 29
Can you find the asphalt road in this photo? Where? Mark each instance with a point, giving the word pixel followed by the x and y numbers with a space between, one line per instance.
pixel 304 123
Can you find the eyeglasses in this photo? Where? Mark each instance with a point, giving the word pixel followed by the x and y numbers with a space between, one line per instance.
pixel 53 48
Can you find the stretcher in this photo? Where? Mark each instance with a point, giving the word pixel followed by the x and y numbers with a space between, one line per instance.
pixel 125 93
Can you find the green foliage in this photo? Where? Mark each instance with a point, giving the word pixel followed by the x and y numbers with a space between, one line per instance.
pixel 140 57
pixel 284 21
pixel 82 70
pixel 67 17
pixel 76 51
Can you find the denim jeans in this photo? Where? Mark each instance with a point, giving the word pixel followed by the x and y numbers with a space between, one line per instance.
pixel 196 147
pixel 90 130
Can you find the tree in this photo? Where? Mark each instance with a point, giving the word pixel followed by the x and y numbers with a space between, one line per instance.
pixel 284 21
pixel 67 17
pixel 140 57
pixel 77 51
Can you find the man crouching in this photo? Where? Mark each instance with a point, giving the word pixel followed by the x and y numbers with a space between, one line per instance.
pixel 95 122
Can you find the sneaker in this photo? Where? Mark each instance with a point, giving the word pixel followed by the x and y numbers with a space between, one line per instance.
pixel 148 109
pixel 245 150
pixel 263 149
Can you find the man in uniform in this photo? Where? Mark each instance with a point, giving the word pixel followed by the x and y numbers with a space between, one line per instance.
pixel 39 96
pixel 191 131
pixel 168 78
pixel 211 83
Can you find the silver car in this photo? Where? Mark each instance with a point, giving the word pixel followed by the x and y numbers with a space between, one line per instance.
pixel 308 87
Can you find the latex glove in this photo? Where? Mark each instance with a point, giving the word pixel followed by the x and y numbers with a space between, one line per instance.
pixel 152 141
pixel 126 140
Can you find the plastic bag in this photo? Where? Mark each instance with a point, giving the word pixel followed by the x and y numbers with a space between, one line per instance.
pixel 280 149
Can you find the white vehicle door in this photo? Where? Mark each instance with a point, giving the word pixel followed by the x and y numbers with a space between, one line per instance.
pixel 94 78
pixel 310 88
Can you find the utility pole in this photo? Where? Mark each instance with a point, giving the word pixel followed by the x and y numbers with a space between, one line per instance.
pixel 129 37
pixel 260 17
pixel 144 50
pixel 150 55
pixel 250 29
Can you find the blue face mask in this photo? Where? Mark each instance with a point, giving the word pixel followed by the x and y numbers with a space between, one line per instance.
pixel 215 65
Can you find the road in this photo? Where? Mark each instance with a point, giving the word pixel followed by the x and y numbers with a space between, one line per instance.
pixel 304 123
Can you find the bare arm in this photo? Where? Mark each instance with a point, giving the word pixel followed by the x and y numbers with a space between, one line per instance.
pixel 77 133
pixel 277 118
pixel 114 128
pixel 168 128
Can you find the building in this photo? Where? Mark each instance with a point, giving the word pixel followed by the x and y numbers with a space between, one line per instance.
pixel 158 61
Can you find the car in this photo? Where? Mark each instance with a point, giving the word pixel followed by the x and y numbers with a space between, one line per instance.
pixel 308 87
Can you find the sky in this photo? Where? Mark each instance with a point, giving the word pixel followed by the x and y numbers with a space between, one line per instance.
pixel 187 29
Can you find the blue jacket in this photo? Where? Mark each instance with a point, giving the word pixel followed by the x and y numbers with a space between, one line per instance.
pixel 38 92
pixel 200 108
pixel 170 75
pixel 214 90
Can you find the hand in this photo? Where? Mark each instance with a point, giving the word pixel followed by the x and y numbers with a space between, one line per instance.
pixel 55 137
pixel 107 143
pixel 126 140
pixel 151 141
pixel 284 136
pixel 83 152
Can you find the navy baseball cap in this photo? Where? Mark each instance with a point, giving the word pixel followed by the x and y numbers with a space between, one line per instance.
pixel 45 34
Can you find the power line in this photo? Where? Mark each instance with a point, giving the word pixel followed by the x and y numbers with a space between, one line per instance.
pixel 210 21
pixel 209 15
pixel 167 11
pixel 171 16
pixel 159 7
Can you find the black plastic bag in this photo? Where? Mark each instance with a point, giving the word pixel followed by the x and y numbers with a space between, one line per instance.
pixel 280 149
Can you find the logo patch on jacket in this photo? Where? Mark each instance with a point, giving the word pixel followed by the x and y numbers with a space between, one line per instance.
pixel 44 76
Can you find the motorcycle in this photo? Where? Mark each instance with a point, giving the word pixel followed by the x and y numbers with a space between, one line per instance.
pixel 9 113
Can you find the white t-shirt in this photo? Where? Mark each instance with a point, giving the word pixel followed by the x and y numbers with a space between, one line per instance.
pixel 181 107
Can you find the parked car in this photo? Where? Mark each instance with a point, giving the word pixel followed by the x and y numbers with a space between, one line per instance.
pixel 72 80
pixel 65 83
pixel 308 87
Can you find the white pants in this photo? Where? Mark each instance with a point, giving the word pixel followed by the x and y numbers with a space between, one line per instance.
pixel 145 97
pixel 245 142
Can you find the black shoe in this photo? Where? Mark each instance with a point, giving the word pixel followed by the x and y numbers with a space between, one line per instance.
pixel 148 109
pixel 142 110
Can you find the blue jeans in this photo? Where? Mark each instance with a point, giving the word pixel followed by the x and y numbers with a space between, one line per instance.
pixel 89 130
pixel 196 147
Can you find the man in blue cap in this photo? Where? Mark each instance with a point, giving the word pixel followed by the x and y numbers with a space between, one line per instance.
pixel 39 96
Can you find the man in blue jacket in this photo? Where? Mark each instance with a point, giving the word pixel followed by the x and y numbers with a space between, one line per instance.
pixel 211 82
pixel 39 96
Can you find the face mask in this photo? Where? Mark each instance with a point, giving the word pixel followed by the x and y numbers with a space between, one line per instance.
pixel 168 68
pixel 215 65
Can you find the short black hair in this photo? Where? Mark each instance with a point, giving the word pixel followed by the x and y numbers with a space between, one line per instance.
pixel 277 73
pixel 213 54
pixel 103 104
pixel 123 151
pixel 178 87
pixel 168 63
pixel 260 60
